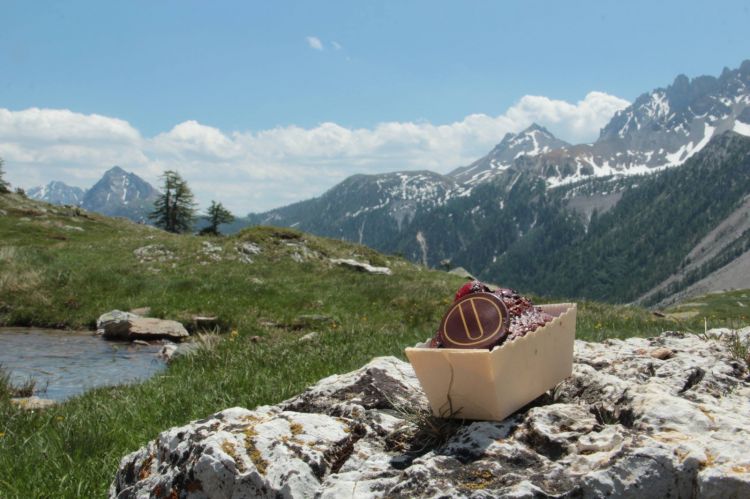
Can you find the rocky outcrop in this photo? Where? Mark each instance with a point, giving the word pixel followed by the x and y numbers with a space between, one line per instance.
pixel 660 417
pixel 117 325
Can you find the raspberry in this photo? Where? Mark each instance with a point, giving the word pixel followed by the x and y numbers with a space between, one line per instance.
pixel 470 287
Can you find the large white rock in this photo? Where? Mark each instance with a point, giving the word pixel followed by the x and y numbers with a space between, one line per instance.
pixel 361 266
pixel 625 424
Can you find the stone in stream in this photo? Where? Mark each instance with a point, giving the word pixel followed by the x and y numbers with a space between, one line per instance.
pixel 114 324
pixel 119 325
pixel 625 424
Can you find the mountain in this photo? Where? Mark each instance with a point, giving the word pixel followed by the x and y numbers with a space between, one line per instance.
pixel 668 231
pixel 118 194
pixel 367 209
pixel 534 141
pixel 57 193
pixel 121 194
pixel 661 129
pixel 534 194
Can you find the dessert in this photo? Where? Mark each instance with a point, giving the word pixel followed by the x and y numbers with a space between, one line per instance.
pixel 483 318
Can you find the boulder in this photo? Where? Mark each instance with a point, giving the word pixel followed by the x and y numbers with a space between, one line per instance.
pixel 627 423
pixel 361 266
pixel 114 324
pixel 118 325
pixel 153 329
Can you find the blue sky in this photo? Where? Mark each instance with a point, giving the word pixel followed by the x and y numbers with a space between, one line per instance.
pixel 295 96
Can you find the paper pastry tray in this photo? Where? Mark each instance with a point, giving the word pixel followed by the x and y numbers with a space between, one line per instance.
pixel 491 385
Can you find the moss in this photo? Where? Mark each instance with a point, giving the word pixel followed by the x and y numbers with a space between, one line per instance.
pixel 230 450
pixel 255 456
pixel 478 480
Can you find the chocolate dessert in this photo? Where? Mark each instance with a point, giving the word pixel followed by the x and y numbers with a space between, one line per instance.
pixel 483 318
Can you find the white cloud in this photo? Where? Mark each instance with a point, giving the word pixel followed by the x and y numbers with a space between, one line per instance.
pixel 314 42
pixel 256 171
pixel 336 45
pixel 578 122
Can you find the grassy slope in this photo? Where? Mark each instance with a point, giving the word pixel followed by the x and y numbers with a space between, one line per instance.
pixel 52 275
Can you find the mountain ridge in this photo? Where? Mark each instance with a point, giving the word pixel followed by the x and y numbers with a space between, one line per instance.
pixel 117 193
pixel 531 178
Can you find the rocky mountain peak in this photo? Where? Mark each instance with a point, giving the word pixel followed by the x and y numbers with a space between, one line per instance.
pixel 535 140
pixel 57 192
pixel 115 171
pixel 121 193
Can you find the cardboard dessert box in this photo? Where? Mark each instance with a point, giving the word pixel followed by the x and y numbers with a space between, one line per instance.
pixel 491 385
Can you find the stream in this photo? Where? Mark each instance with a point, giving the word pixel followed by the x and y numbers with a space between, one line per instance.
pixel 67 363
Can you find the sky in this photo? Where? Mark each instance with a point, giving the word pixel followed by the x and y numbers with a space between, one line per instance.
pixel 260 104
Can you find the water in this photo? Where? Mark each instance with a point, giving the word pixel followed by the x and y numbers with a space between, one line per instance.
pixel 69 363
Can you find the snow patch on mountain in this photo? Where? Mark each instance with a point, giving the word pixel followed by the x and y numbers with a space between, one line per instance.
pixel 742 128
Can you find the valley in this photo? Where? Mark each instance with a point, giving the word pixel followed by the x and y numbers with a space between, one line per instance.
pixel 286 316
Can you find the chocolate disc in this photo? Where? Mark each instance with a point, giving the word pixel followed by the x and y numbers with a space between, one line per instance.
pixel 478 320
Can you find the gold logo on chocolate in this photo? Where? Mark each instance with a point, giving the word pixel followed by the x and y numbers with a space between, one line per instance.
pixel 475 321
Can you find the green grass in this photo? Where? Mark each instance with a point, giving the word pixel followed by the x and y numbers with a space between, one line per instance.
pixel 55 276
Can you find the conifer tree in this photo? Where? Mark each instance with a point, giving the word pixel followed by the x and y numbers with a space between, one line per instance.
pixel 216 216
pixel 174 211
pixel 4 186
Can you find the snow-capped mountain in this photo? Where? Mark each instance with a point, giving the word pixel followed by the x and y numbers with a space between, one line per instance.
pixel 661 129
pixel 121 194
pixel 533 141
pixel 365 208
pixel 534 195
pixel 118 193
pixel 57 193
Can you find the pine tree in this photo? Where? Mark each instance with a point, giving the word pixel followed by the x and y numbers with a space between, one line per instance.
pixel 4 186
pixel 216 216
pixel 174 211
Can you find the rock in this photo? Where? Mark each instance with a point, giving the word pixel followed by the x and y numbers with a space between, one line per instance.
pixel 308 337
pixel 361 266
pixel 300 252
pixel 153 253
pixel 625 424
pixel 246 250
pixel 212 251
pixel 249 248
pixel 171 351
pixel 33 403
pixel 153 329
pixel 118 325
pixel 114 324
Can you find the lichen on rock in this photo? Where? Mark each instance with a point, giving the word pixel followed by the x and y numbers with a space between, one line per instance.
pixel 626 423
